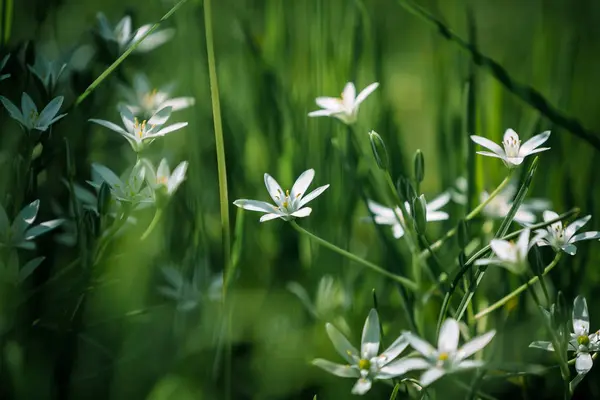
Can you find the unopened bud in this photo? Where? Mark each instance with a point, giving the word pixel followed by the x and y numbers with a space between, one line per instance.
pixel 419 166
pixel 419 210
pixel 104 198
pixel 406 190
pixel 379 150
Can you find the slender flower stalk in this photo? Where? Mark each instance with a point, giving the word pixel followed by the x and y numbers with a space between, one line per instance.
pixel 404 281
pixel 518 290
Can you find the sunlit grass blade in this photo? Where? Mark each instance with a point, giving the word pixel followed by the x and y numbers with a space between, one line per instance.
pixel 125 54
pixel 526 93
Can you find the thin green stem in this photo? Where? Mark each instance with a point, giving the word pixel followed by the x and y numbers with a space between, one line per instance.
pixel 475 212
pixel 219 142
pixel 153 224
pixel 518 290
pixel 404 281
pixel 126 54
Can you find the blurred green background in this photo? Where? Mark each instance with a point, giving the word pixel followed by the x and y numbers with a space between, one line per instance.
pixel 273 58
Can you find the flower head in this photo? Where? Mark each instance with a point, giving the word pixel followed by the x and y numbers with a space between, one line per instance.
pixel 387 216
pixel 140 133
pixel 47 72
pixel 289 205
pixel 127 190
pixel 346 107
pixel 510 255
pixel 513 152
pixel 163 179
pixel 367 365
pixel 562 238
pixel 143 99
pixel 448 357
pixel 582 342
pixel 22 230
pixel 123 36
pixel 29 117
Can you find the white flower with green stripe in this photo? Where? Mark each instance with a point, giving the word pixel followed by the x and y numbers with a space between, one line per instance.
pixel 29 117
pixel 288 205
pixel 510 255
pixel 562 238
pixel 513 152
pixel 448 357
pixel 344 108
pixel 368 365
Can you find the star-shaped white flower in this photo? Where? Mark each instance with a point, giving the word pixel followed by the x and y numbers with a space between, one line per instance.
pixel 123 35
pixel 388 216
pixel 561 238
pixel 288 205
pixel 582 342
pixel 346 107
pixel 142 99
pixel 448 357
pixel 510 255
pixel 21 232
pixel 163 179
pixel 367 365
pixel 139 134
pixel 29 117
pixel 513 152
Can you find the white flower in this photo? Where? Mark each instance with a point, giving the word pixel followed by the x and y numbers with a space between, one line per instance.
pixel 346 107
pixel 561 237
pixel 288 205
pixel 140 134
pixel 123 36
pixel 582 343
pixel 447 358
pixel 143 99
pixel 513 153
pixel 47 72
pixel 129 189
pixel 388 216
pixel 366 365
pixel 162 178
pixel 510 255
pixel 22 231
pixel 28 116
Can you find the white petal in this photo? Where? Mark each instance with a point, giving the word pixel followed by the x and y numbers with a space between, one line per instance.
pixel 397 231
pixel 312 195
pixel 502 248
pixel 514 160
pixel 489 154
pixel 533 143
pixel 341 344
pixel 344 371
pixel 438 202
pixel 365 93
pixel 581 317
pixel 431 375
pixel 255 205
pixel 179 103
pixel 161 116
pixel 437 216
pixel 523 244
pixel 349 96
pixel 370 336
pixel 301 213
pixel 419 344
pixel 321 113
pixel 510 135
pixel 13 110
pixel 449 336
pixel 488 144
pixel 302 183
pixel 549 215
pixel 542 345
pixel 362 386
pixel 584 363
pixel 50 111
pixel 576 225
pixel 27 106
pixel 274 189
pixel 570 249
pixel 269 217
pixel 401 367
pixel 585 236
pixel 524 217
pixel 538 150
pixel 474 345
pixel 153 40
pixel 168 129
pixel 395 349
pixel 329 103
pixel 470 364
pixel 378 209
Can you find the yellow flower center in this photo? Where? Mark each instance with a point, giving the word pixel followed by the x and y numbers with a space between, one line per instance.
pixel 33 116
pixel 443 356
pixel 583 340
pixel 364 364
pixel 162 180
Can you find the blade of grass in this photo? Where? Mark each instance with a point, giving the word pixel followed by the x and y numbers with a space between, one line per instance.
pixel 126 54
pixel 526 93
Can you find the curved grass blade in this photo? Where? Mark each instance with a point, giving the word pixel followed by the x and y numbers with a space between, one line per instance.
pixel 526 93
pixel 126 54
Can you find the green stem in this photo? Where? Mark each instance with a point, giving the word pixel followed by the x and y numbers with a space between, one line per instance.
pixel 475 212
pixel 404 281
pixel 153 224
pixel 219 142
pixel 126 54
pixel 518 290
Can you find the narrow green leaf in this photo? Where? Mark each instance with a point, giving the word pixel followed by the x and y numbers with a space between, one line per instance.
pixel 29 268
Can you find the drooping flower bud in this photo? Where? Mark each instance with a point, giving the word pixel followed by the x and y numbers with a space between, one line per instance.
pixel 379 150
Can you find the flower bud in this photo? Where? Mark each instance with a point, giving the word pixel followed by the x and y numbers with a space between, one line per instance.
pixel 405 189
pixel 462 234
pixel 104 198
pixel 419 210
pixel 419 166
pixel 379 150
